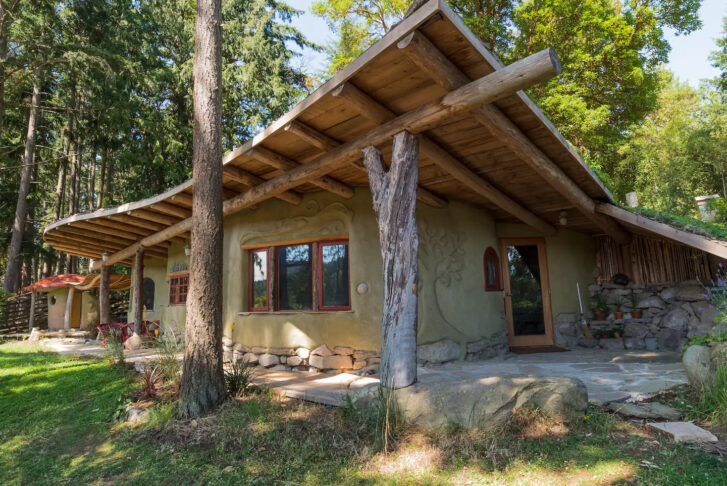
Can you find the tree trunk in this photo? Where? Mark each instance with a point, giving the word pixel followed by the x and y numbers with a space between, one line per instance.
pixel 394 196
pixel 69 310
pixel 203 386
pixel 31 317
pixel 16 240
pixel 102 179
pixel 109 181
pixel 60 188
pixel 104 303
pixel 91 203
pixel 138 289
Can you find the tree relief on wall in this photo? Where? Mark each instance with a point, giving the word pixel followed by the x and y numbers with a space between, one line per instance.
pixel 441 258
pixel 316 221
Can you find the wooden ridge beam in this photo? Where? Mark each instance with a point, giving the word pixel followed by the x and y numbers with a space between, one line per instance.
pixel 283 163
pixel 518 75
pixel 251 180
pixel 378 113
pixel 326 143
pixel 432 61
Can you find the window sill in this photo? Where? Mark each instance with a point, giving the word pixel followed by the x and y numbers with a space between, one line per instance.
pixel 283 313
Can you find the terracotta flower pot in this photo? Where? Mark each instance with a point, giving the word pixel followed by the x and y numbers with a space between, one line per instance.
pixel 636 313
pixel 618 315
pixel 599 314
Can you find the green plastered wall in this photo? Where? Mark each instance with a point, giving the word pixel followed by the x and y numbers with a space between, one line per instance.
pixel 452 301
pixel 155 269
pixel 571 259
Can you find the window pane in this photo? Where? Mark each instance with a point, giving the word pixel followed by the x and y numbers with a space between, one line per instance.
pixel 259 272
pixel 334 275
pixel 148 296
pixel 295 286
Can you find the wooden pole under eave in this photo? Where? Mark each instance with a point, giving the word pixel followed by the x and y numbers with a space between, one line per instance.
pixel 138 289
pixel 69 310
pixel 31 317
pixel 104 302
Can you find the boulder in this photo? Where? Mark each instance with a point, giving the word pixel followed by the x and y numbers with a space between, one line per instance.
pixel 251 358
pixel 635 330
pixel 322 350
pixel 650 301
pixel 259 350
pixel 294 360
pixel 588 342
pixel 136 342
pixel 650 410
pixel 668 339
pixel 226 341
pixel 334 362
pixel 437 401
pixel 613 344
pixel 696 365
pixel 282 351
pixel 281 367
pixel 363 354
pixel 241 348
pixel 677 319
pixel 691 293
pixel 267 360
pixel 634 343
pixel 136 416
pixel 668 294
pixel 303 353
pixel 651 343
pixel 685 432
pixel 359 364
pixel 283 359
pixel 343 350
pixel 439 352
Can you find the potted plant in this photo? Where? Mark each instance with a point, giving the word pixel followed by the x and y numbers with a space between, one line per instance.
pixel 635 313
pixel 600 310
pixel 618 315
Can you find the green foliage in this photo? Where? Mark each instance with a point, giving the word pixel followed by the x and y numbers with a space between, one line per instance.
pixel 238 378
pixel 114 351
pixel 719 59
pixel 169 345
pixel 686 223
pixel 380 415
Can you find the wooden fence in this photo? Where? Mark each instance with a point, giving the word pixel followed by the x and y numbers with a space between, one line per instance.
pixel 15 313
pixel 653 261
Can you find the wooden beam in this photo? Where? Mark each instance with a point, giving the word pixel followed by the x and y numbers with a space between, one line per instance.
pixel 153 216
pixel 706 244
pixel 138 222
pixel 171 209
pixel 432 61
pixel 378 113
pixel 283 163
pixel 138 290
pixel 325 143
pixel 518 75
pixel 104 302
pixel 251 180
pixel 182 198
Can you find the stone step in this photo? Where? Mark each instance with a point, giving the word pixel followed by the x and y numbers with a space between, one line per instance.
pixel 684 432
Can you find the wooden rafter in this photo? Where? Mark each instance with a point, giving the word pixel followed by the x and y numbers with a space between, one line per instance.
pixel 283 163
pixel 519 75
pixel 325 143
pixel 378 113
pixel 251 180
pixel 432 61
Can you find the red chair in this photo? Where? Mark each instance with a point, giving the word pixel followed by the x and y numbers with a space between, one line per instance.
pixel 126 330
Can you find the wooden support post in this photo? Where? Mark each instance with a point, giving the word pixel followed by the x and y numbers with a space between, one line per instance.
pixel 69 310
pixel 31 317
pixel 394 196
pixel 138 289
pixel 104 302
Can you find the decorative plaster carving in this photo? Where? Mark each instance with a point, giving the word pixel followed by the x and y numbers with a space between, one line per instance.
pixel 333 219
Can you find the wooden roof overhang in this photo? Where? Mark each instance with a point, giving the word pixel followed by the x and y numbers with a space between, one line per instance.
pixel 505 156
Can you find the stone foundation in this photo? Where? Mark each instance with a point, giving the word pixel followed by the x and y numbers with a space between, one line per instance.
pixel 671 315
pixel 447 350
pixel 341 359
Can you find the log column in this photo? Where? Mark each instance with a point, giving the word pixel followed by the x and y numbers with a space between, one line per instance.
pixel 104 302
pixel 138 289
pixel 394 199
pixel 69 310
pixel 31 317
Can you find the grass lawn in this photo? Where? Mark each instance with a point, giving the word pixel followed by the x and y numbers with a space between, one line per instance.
pixel 57 427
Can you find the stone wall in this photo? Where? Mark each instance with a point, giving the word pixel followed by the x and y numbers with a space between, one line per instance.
pixel 671 315
pixel 342 359
pixel 446 350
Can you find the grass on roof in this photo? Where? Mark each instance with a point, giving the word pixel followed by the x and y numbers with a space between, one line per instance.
pixel 686 223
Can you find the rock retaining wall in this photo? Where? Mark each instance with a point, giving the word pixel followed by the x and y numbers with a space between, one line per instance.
pixel 339 359
pixel 671 315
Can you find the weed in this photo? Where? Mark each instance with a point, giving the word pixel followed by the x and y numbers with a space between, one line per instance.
pixel 115 348
pixel 150 374
pixel 712 400
pixel 381 415
pixel 238 378
pixel 169 345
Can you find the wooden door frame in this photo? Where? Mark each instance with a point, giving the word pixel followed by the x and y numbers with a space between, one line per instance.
pixel 546 339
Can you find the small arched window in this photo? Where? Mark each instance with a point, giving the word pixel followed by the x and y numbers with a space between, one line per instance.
pixel 493 280
pixel 148 294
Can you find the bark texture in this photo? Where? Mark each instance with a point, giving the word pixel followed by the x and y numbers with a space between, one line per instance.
pixel 394 197
pixel 12 273
pixel 104 302
pixel 203 386
pixel 138 289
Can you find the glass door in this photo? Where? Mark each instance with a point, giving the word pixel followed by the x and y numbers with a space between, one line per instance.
pixel 527 293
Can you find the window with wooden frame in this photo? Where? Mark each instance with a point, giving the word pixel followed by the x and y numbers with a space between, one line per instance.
pixel 178 288
pixel 300 277
pixel 493 279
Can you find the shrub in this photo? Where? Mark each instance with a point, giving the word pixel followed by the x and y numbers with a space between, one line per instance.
pixel 381 416
pixel 114 347
pixel 150 374
pixel 238 378
pixel 169 345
